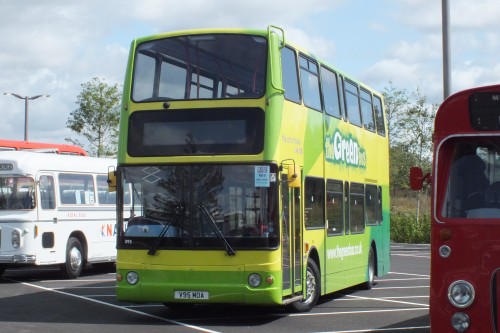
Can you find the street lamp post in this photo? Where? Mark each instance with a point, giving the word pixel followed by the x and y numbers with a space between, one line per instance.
pixel 26 103
pixel 446 47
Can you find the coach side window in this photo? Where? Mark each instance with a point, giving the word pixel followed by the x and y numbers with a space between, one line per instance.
pixel 373 203
pixel 314 202
pixel 330 92
pixel 290 76
pixel 104 197
pixel 309 79
pixel 379 114
pixel 352 103
pixel 367 110
pixel 47 192
pixel 335 207
pixel 357 208
pixel 76 189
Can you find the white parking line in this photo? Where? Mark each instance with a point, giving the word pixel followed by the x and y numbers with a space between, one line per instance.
pixel 427 256
pixel 82 287
pixel 398 297
pixel 407 279
pixel 385 300
pixel 197 328
pixel 388 297
pixel 409 274
pixel 405 287
pixel 355 312
pixel 76 281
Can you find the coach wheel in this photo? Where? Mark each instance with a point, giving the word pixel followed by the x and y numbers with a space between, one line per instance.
pixel 312 289
pixel 73 266
pixel 370 271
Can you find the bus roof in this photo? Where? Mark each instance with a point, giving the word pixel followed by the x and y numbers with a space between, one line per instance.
pixel 25 162
pixel 42 147
pixel 453 115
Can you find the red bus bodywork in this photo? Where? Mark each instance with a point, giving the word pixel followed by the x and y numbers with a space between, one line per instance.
pixel 41 146
pixel 465 230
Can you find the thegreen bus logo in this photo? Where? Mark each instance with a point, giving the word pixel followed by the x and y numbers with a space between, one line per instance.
pixel 344 149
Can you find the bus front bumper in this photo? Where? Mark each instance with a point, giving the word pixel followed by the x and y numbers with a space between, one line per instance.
pixel 17 259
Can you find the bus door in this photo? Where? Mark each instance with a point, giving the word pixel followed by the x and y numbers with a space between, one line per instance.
pixel 291 241
pixel 47 214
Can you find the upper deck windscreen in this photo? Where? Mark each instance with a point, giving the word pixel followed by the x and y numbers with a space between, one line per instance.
pixel 210 66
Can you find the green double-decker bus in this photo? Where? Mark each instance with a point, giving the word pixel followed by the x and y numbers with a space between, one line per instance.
pixel 260 174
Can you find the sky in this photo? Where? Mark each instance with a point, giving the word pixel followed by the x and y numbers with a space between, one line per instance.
pixel 52 47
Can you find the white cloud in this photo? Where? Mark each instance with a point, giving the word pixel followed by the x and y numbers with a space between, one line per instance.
pixel 391 70
pixel 465 14
pixel 225 13
pixel 320 46
pixel 428 47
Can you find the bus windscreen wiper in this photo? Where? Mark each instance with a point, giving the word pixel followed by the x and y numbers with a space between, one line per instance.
pixel 176 210
pixel 156 243
pixel 213 224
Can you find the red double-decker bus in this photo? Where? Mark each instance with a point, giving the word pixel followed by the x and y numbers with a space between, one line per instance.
pixel 42 147
pixel 465 231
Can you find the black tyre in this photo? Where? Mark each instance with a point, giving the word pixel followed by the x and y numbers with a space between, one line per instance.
pixel 313 289
pixel 73 266
pixel 2 269
pixel 370 271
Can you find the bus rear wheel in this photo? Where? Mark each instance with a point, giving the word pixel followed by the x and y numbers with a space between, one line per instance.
pixel 370 271
pixel 313 289
pixel 73 266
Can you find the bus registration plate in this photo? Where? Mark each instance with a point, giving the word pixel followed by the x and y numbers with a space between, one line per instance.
pixel 183 294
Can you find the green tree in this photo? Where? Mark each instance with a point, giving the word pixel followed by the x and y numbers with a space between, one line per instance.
pixel 97 117
pixel 410 121
pixel 396 103
pixel 418 127
pixel 400 161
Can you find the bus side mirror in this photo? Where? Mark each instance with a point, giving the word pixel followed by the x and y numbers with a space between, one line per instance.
pixel 293 176
pixel 417 178
pixel 111 180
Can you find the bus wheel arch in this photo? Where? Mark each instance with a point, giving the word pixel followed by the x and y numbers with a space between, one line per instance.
pixel 312 285
pixel 75 256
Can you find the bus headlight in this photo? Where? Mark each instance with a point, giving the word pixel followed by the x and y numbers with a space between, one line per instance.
pixel 132 277
pixel 254 280
pixel 16 239
pixel 460 322
pixel 461 294
pixel 444 251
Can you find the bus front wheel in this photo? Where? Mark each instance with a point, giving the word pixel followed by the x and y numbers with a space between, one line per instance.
pixel 73 266
pixel 313 289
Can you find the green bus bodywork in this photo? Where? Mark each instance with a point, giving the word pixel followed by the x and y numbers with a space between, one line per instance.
pixel 260 174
